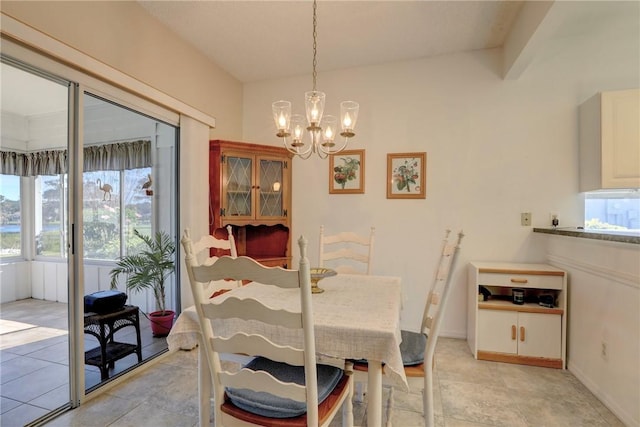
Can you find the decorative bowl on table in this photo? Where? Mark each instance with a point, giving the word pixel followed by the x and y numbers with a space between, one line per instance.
pixel 317 274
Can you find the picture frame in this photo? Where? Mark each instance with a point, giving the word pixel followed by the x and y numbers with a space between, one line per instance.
pixel 406 175
pixel 346 172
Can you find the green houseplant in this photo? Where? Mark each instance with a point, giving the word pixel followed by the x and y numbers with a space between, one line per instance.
pixel 149 269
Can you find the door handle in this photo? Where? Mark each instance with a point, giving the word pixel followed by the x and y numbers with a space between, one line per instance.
pixel 522 333
pixel 513 332
pixel 519 281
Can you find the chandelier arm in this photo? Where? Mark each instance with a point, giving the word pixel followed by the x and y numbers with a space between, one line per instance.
pixel 305 155
pixel 333 151
pixel 323 154
pixel 297 152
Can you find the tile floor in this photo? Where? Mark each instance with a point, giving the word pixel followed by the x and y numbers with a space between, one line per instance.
pixel 468 393
pixel 34 366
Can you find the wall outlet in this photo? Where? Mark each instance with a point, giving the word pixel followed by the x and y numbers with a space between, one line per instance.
pixel 525 219
pixel 553 219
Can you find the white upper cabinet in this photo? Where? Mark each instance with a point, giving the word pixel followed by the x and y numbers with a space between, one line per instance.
pixel 610 141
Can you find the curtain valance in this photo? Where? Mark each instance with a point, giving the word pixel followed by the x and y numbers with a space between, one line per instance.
pixel 116 156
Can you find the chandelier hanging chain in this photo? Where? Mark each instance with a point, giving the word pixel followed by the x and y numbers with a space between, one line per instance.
pixel 315 46
pixel 321 128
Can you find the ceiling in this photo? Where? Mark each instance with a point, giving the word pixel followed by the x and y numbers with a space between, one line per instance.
pixel 259 40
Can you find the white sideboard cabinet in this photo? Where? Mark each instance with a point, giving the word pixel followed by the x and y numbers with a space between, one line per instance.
pixel 610 141
pixel 528 333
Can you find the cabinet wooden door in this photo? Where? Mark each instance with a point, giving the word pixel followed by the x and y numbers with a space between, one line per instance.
pixel 524 334
pixel 497 331
pixel 253 187
pixel 610 141
pixel 621 139
pixel 270 187
pixel 238 183
pixel 540 335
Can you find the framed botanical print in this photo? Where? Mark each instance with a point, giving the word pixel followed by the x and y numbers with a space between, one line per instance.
pixel 406 175
pixel 346 172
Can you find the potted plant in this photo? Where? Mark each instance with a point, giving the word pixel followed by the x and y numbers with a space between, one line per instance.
pixel 149 269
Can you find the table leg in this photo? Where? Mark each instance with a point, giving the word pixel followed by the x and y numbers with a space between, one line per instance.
pixel 204 388
pixel 374 394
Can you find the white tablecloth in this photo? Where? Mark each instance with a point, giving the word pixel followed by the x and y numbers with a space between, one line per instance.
pixel 357 317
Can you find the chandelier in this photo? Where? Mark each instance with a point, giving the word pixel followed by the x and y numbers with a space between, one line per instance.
pixel 322 129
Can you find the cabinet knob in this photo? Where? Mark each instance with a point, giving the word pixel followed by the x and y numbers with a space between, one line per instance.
pixel 513 332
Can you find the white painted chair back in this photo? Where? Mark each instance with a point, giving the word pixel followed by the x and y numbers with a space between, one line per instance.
pixel 435 306
pixel 229 306
pixel 346 252
pixel 201 254
pixel 439 292
pixel 420 376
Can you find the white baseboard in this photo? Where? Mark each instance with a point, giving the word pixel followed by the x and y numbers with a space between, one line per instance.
pixel 606 400
pixel 461 335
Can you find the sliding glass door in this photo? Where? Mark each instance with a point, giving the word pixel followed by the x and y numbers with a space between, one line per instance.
pixel 129 185
pixel 78 174
pixel 34 316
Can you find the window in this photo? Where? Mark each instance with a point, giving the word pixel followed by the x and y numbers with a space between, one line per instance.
pixel 104 236
pixel 108 228
pixel 612 210
pixel 101 213
pixel 137 207
pixel 51 215
pixel 10 231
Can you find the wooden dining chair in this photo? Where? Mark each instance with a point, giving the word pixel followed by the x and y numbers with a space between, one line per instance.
pixel 207 250
pixel 346 252
pixel 282 385
pixel 418 348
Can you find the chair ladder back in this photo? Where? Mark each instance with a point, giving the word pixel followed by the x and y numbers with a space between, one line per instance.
pixel 227 308
pixel 245 268
pixel 251 309
pixel 440 293
pixel 242 343
pixel 202 249
pixel 348 246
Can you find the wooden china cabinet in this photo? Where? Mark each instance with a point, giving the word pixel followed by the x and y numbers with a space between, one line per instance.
pixel 250 189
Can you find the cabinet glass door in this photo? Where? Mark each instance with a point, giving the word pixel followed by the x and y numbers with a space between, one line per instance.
pixel 271 188
pixel 238 182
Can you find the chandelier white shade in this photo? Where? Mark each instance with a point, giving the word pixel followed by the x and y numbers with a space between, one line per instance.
pixel 322 130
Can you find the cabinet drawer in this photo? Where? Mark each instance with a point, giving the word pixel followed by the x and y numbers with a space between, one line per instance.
pixel 547 280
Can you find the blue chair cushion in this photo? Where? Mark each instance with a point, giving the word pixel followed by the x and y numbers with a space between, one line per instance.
pixel 269 405
pixel 412 348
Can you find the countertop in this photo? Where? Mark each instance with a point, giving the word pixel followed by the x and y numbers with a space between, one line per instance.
pixel 611 236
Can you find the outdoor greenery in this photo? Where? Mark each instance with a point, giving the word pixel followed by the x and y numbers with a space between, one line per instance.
pixel 102 219
pixel 596 224
pixel 9 211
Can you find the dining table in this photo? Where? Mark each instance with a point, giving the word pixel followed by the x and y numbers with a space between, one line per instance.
pixel 356 317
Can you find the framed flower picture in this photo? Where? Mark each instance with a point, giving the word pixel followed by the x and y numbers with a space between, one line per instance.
pixel 406 175
pixel 346 172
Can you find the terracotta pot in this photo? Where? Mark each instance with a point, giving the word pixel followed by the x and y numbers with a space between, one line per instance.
pixel 161 323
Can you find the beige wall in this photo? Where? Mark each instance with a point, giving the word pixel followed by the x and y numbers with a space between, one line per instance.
pixel 124 36
pixel 604 311
pixel 495 148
